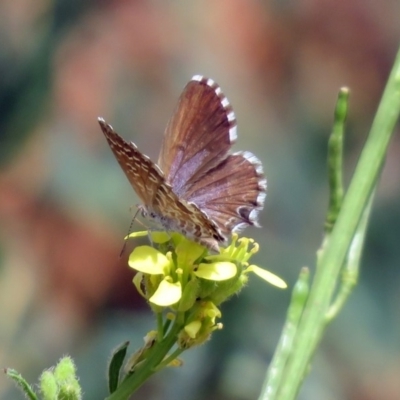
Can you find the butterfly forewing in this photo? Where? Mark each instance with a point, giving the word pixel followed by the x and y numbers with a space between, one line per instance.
pixel 142 173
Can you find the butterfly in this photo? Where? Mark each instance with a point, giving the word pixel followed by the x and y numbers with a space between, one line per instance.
pixel 197 188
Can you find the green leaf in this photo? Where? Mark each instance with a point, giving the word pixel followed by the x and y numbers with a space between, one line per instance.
pixel 114 368
pixel 21 383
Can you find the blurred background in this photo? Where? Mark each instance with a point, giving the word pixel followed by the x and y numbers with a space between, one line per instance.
pixel 65 203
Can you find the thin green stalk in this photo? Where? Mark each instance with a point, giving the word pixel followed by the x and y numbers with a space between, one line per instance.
pixel 160 326
pixel 173 356
pixel 335 160
pixel 365 177
pixel 276 369
pixel 335 167
pixel 21 383
pixel 352 266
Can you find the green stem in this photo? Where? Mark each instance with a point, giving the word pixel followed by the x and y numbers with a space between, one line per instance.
pixel 365 177
pixel 276 369
pixel 160 326
pixel 351 269
pixel 173 356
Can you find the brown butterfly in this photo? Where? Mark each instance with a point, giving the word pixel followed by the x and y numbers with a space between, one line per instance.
pixel 198 188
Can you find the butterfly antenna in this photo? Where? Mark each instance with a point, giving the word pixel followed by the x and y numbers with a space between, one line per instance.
pixel 129 232
pixel 149 237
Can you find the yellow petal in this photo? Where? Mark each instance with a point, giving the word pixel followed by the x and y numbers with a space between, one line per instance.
pixel 268 276
pixel 176 363
pixel 137 281
pixel 148 260
pixel 160 237
pixel 217 271
pixel 212 311
pixel 167 293
pixel 192 329
pixel 188 252
pixel 136 234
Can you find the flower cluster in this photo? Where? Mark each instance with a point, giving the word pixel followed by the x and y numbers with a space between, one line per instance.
pixel 182 277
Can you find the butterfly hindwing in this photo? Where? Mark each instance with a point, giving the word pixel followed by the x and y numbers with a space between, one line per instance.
pixel 199 134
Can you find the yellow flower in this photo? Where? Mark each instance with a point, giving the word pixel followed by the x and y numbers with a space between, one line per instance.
pixel 184 277
pixel 201 323
pixel 161 277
